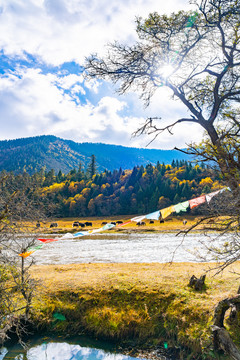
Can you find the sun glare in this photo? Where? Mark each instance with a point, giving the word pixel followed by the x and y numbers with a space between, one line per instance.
pixel 166 71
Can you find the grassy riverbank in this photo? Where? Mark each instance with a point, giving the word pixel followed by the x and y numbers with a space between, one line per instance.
pixel 172 223
pixel 140 305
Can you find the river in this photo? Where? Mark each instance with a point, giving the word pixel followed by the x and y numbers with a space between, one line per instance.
pixel 122 247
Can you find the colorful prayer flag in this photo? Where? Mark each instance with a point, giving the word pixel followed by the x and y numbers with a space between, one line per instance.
pixel 197 201
pixel 181 206
pixel 96 230
pixel 47 240
pixel 224 189
pixel 35 247
pixel 26 254
pixel 108 226
pixel 167 211
pixel 80 233
pixel 138 218
pixel 211 195
pixel 127 222
pixel 153 216
pixel 66 236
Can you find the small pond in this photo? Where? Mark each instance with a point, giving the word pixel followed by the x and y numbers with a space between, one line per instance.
pixel 58 349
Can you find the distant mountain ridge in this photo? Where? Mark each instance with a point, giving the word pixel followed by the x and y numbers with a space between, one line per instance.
pixel 50 152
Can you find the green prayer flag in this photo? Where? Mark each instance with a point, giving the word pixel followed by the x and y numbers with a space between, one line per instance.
pixel 35 247
pixel 108 226
pixel 181 206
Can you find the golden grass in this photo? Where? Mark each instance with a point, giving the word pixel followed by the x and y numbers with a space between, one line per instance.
pixel 147 303
pixel 65 224
pixel 142 276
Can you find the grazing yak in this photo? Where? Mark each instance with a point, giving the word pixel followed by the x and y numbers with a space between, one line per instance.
pixel 77 224
pixel 140 223
pixel 104 223
pixel 52 225
pixel 88 223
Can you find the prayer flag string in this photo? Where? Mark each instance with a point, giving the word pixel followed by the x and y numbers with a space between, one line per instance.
pixel 163 213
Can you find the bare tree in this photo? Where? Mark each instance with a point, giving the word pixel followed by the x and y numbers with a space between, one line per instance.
pixel 197 56
pixel 18 214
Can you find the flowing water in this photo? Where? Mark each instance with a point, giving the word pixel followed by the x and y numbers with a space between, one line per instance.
pixel 122 247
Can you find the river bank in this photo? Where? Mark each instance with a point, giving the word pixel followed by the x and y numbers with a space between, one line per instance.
pixel 139 306
pixel 172 223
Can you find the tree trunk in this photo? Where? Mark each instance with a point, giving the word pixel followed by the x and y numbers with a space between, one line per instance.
pixel 222 340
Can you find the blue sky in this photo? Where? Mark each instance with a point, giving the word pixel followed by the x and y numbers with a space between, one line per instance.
pixel 43 45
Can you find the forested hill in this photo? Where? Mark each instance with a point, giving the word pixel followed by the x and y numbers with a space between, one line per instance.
pixel 50 152
pixel 140 190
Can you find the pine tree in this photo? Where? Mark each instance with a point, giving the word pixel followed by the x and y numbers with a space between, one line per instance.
pixel 59 177
pixel 49 178
pixel 92 167
pixel 80 172
pixel 133 177
pixel 186 191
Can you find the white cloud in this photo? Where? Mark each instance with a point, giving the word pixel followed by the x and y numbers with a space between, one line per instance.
pixel 58 31
pixel 93 85
pixel 68 81
pixel 33 104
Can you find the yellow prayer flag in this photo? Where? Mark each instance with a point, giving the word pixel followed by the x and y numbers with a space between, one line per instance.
pixel 26 254
pixel 167 211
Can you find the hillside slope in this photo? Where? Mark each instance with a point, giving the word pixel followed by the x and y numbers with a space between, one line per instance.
pixel 50 152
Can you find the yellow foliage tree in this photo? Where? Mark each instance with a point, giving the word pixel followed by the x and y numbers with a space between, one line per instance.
pixel 206 181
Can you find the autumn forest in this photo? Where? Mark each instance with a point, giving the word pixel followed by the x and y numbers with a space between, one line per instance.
pixel 140 190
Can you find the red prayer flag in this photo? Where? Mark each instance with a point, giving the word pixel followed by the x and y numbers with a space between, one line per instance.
pixel 128 222
pixel 47 240
pixel 197 201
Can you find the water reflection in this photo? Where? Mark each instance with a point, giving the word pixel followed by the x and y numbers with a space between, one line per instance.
pixel 60 351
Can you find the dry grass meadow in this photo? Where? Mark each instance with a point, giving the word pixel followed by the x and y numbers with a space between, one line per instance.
pixel 140 305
